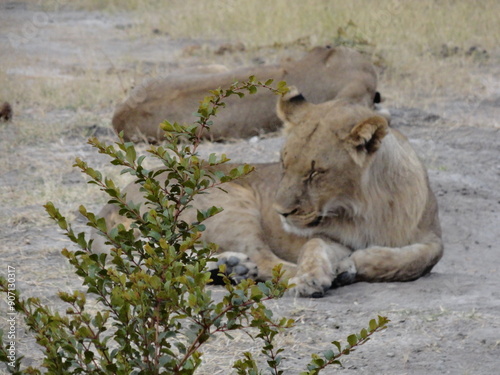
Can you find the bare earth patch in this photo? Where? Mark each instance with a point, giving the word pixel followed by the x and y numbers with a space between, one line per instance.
pixel 447 322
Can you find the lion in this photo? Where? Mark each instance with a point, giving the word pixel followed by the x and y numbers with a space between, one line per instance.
pixel 350 201
pixel 322 74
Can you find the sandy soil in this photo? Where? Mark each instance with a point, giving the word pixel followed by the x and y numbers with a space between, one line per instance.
pixel 445 323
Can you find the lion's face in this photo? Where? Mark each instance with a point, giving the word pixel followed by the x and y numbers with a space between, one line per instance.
pixel 327 150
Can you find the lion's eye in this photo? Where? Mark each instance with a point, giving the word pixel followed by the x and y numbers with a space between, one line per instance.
pixel 313 172
pixel 282 158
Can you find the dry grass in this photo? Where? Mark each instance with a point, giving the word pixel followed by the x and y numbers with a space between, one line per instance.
pixel 86 91
pixel 411 25
pixel 407 37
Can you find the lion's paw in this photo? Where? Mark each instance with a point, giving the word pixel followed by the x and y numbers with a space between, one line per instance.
pixel 314 272
pixel 346 273
pixel 238 266
pixel 307 285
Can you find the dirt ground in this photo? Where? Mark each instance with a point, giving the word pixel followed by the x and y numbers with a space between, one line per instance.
pixel 445 323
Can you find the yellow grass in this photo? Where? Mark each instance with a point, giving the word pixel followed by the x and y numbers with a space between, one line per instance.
pixel 262 21
pixel 411 25
pixel 86 91
pixel 406 37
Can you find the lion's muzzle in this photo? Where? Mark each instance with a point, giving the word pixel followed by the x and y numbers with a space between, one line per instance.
pixel 294 221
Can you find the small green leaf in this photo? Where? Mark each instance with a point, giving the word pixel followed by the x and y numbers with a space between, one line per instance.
pixel 89 356
pixel 363 333
pixel 130 153
pixel 329 354
pixel 352 340
pixel 337 345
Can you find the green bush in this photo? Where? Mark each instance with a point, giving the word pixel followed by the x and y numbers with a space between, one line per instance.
pixel 154 310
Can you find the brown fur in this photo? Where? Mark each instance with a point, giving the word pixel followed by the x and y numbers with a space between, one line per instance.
pixel 350 201
pixel 6 112
pixel 322 74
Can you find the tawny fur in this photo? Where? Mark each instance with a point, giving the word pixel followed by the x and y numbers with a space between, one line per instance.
pixel 350 201
pixel 322 74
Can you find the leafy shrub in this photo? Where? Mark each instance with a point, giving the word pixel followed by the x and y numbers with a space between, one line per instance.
pixel 155 311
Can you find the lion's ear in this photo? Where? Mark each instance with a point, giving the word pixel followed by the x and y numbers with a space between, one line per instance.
pixel 291 106
pixel 366 137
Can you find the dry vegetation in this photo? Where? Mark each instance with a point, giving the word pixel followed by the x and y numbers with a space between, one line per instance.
pixel 421 45
pixel 424 48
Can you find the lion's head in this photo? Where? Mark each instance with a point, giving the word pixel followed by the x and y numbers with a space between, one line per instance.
pixel 328 150
pixel 322 74
pixel 325 73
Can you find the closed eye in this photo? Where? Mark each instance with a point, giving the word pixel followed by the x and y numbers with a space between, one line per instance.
pixel 313 172
pixel 282 158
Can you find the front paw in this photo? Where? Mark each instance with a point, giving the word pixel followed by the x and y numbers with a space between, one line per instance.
pixel 314 272
pixel 307 285
pixel 346 273
pixel 238 267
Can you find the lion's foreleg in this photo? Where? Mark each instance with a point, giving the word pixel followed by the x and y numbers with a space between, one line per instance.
pixel 318 266
pixel 392 264
pixel 266 261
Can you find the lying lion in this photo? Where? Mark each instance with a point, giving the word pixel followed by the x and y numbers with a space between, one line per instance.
pixel 323 74
pixel 350 201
